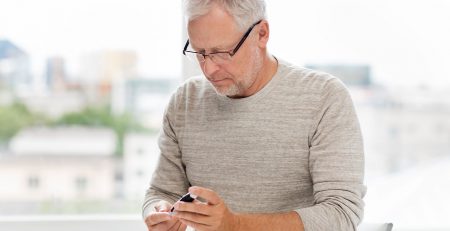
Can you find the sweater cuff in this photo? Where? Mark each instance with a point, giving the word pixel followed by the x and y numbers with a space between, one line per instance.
pixel 312 218
pixel 149 208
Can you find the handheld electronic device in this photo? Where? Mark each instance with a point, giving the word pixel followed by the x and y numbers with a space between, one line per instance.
pixel 186 198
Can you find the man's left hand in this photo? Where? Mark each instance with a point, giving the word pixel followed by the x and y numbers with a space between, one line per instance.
pixel 206 216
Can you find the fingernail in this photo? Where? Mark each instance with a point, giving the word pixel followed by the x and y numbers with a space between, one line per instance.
pixel 193 195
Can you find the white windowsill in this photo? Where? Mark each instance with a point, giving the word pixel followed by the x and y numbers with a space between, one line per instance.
pixel 72 223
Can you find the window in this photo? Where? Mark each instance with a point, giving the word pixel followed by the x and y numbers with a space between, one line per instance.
pixel 139 173
pixel 140 151
pixel 33 182
pixel 391 55
pixel 83 86
pixel 80 184
pixel 76 82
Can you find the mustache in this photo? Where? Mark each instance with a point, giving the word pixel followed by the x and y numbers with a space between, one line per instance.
pixel 217 77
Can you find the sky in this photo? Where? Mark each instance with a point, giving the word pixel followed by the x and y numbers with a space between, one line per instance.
pixel 74 28
pixel 405 42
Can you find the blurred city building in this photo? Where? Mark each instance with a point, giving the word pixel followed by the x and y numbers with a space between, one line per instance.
pixel 144 98
pixel 393 138
pixel 14 67
pixel 55 104
pixel 350 74
pixel 66 163
pixel 140 158
pixel 397 125
pixel 76 163
pixel 56 74
pixel 99 70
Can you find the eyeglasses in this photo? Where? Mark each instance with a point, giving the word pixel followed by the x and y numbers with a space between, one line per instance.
pixel 218 57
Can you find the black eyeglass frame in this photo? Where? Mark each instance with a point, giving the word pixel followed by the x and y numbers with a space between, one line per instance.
pixel 230 52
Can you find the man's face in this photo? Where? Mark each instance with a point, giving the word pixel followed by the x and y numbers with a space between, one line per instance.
pixel 217 31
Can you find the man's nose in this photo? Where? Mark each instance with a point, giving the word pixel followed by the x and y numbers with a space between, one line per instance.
pixel 209 67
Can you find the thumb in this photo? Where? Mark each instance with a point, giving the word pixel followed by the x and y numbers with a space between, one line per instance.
pixel 163 206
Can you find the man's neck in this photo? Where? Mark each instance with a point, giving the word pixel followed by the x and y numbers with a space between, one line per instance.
pixel 269 69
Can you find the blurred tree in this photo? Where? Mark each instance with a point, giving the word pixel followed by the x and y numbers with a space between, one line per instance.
pixel 15 117
pixel 102 117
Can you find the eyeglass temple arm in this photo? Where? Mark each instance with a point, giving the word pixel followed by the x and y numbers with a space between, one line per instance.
pixel 185 47
pixel 245 37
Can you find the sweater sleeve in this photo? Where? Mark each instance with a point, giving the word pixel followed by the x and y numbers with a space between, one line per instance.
pixel 336 163
pixel 169 181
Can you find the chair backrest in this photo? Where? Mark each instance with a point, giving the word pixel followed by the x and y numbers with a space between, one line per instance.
pixel 375 227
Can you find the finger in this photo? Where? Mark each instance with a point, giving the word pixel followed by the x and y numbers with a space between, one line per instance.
pixel 197 207
pixel 163 206
pixel 157 217
pixel 195 225
pixel 195 217
pixel 209 195
pixel 177 225
pixel 174 226
pixel 182 227
pixel 165 225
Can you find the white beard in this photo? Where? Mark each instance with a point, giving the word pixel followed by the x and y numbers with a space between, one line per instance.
pixel 249 78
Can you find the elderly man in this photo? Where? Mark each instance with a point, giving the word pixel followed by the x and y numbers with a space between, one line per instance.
pixel 260 144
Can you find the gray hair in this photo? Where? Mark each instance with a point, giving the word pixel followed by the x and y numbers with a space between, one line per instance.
pixel 244 12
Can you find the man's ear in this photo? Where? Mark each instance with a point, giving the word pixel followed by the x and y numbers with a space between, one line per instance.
pixel 263 33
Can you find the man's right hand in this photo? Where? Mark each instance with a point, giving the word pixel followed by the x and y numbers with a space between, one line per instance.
pixel 161 220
